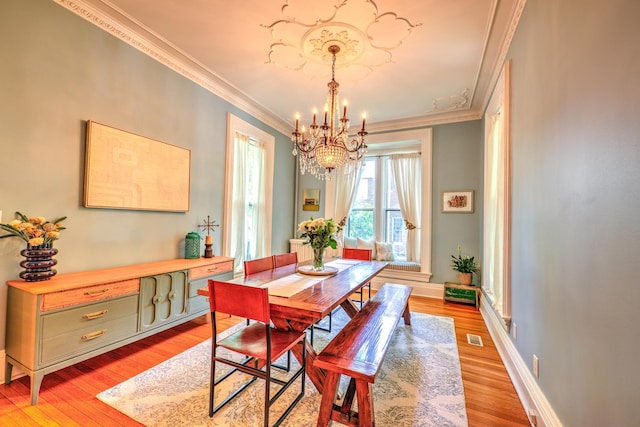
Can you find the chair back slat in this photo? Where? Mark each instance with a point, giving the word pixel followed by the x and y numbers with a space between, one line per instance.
pixel 285 259
pixel 353 253
pixel 257 265
pixel 239 300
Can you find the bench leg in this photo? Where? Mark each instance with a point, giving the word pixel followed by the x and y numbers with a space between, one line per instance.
pixel 328 397
pixel 407 314
pixel 347 400
pixel 364 393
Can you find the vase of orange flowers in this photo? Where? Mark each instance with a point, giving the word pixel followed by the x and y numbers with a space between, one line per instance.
pixel 39 234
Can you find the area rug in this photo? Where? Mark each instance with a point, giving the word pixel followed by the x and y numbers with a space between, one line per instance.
pixel 420 384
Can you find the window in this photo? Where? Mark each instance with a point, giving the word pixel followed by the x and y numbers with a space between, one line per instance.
pixel 377 193
pixel 248 188
pixel 361 220
pixel 389 225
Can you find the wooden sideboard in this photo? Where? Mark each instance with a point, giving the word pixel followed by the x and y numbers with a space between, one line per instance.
pixel 73 317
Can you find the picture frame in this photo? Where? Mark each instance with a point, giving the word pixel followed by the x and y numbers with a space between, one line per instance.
pixel 460 201
pixel 311 200
pixel 128 171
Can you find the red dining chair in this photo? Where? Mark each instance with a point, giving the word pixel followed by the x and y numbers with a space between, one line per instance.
pixel 281 260
pixel 257 265
pixel 362 254
pixel 259 342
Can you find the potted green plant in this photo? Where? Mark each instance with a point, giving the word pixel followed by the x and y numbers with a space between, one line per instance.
pixel 465 265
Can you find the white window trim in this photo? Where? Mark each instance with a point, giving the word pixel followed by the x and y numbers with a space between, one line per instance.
pixel 501 95
pixel 236 124
pixel 398 142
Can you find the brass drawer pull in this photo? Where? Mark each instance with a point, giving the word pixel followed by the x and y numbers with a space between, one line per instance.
pixel 93 335
pixel 212 269
pixel 94 315
pixel 94 293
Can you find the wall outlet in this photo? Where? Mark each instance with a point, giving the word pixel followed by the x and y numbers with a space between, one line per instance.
pixel 515 331
pixel 536 366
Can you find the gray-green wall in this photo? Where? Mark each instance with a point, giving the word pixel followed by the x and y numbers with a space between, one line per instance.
pixel 576 198
pixel 457 165
pixel 58 71
pixel 457 155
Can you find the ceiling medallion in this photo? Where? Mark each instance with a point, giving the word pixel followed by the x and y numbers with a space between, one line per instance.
pixel 365 37
pixel 452 102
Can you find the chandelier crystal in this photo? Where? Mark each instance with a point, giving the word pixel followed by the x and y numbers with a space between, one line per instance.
pixel 327 147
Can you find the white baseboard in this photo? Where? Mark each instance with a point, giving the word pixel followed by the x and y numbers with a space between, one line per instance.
pixel 536 405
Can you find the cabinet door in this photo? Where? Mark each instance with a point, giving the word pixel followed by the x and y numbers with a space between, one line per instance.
pixel 163 298
pixel 200 304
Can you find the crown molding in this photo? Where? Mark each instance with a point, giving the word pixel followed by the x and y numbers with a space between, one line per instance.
pixel 424 121
pixel 511 30
pixel 110 19
pixel 134 34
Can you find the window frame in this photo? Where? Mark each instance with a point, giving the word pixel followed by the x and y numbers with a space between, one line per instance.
pixel 236 124
pixel 398 143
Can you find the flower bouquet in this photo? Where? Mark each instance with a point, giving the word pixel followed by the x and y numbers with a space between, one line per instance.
pixel 36 231
pixel 39 235
pixel 321 233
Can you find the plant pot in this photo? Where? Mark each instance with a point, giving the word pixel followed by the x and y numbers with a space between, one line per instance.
pixel 465 278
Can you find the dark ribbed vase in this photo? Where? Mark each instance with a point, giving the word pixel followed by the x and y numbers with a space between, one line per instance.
pixel 38 263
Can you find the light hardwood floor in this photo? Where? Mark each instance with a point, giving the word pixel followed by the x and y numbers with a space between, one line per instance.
pixel 67 397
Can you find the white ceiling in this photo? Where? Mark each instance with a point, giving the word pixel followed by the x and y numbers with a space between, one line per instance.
pixel 413 62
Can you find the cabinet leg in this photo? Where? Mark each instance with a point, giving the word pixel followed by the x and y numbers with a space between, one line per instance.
pixel 8 367
pixel 36 382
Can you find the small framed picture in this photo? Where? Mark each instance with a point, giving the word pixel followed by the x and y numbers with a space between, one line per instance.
pixel 311 199
pixel 457 201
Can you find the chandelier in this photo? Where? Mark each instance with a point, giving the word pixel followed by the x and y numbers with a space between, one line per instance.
pixel 327 147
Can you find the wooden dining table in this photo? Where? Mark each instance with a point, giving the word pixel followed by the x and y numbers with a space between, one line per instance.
pixel 312 303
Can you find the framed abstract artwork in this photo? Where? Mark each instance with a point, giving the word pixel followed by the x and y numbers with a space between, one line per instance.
pixel 128 171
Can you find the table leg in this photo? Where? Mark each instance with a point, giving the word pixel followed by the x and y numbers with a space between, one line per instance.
pixel 349 307
pixel 316 375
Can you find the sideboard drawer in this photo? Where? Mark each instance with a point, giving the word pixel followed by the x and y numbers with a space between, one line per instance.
pixel 88 294
pixel 92 315
pixel 210 270
pixel 87 338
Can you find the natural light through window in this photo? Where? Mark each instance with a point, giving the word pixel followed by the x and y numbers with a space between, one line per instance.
pixel 376 192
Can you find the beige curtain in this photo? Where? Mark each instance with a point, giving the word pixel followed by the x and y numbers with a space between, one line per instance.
pixel 407 173
pixel 346 189
pixel 248 201
pixel 494 211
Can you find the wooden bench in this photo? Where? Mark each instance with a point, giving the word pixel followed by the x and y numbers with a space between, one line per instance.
pixel 358 351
